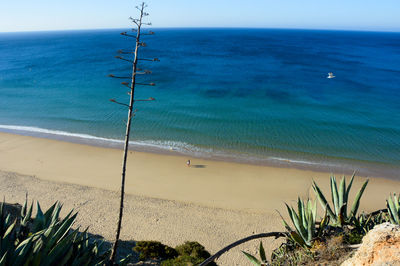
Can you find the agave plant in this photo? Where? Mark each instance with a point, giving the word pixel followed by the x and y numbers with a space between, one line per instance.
pixel 338 213
pixel 254 260
pixel 304 223
pixel 365 222
pixel 46 239
pixel 393 206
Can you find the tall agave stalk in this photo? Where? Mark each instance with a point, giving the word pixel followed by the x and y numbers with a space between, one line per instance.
pixel 393 206
pixel 131 85
pixel 338 212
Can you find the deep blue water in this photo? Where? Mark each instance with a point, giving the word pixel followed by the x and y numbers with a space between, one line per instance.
pixel 246 93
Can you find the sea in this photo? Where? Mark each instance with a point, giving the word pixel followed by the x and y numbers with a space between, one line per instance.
pixel 257 96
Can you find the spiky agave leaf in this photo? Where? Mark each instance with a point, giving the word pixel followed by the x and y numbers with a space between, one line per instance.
pixel 287 227
pixel 24 208
pixel 301 212
pixel 341 216
pixel 335 196
pixel 299 226
pixel 293 236
pixel 349 187
pixel 296 238
pixel 303 222
pixel 39 221
pixel 3 259
pixel 393 209
pixel 324 222
pixel 323 201
pixel 396 201
pixel 342 194
pixel 7 241
pixel 356 202
pixel 9 231
pixel 252 259
pixel 310 230
pixel 23 252
pixel 27 217
pixel 263 257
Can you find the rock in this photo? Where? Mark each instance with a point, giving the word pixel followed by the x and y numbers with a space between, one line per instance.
pixel 381 246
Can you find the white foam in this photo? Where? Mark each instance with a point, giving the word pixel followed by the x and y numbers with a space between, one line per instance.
pixel 175 146
pixel 164 145
pixel 291 161
pixel 56 132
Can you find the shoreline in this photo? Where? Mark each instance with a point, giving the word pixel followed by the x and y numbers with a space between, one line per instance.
pixel 329 165
pixel 212 183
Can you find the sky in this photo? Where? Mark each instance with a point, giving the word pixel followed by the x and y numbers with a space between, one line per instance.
pixel 38 15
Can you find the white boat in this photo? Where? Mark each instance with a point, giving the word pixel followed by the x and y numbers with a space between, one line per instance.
pixel 330 75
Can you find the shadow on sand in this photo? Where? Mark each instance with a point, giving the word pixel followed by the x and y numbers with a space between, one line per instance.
pixel 198 166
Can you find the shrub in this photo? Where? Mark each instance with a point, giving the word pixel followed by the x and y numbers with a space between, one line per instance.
pixel 189 253
pixel 193 249
pixel 154 250
pixel 184 260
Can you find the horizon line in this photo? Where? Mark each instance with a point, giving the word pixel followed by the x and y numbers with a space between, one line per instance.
pixel 199 27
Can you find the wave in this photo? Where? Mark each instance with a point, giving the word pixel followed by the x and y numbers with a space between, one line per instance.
pixel 152 145
pixel 293 161
pixel 176 146
pixel 183 148
pixel 55 132
pixel 169 146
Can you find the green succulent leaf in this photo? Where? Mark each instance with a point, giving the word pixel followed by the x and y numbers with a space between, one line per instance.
pixel 262 253
pixel 323 224
pixel 396 202
pixel 349 187
pixel 251 258
pixel 323 201
pixel 287 227
pixel 394 212
pixel 9 230
pixel 299 227
pixel 357 199
pixel 39 222
pixel 341 215
pixel 335 196
pixel 298 239
pixel 3 259
pixel 342 194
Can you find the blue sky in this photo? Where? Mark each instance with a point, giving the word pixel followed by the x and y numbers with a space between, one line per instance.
pixel 29 15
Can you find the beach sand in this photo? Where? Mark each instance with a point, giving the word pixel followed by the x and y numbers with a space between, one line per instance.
pixel 212 202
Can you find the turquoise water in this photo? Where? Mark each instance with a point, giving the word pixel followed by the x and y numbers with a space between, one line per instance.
pixel 240 94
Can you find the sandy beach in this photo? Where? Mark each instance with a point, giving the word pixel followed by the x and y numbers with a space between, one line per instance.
pixel 212 202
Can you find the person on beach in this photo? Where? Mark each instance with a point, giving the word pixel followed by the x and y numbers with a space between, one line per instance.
pixel 188 163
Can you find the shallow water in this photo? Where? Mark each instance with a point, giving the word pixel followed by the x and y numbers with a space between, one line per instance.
pixel 239 94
